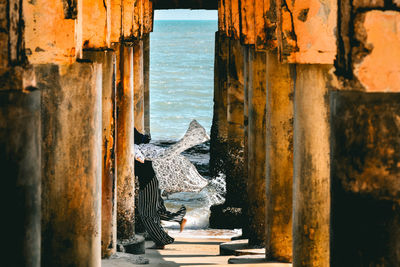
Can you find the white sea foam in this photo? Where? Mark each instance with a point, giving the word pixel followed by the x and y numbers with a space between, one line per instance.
pixel 197 204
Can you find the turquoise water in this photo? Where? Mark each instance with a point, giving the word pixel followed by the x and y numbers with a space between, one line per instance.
pixel 181 76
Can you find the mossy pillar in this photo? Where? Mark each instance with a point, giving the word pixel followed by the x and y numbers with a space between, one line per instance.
pixel 279 158
pixel 109 182
pixel 219 128
pixel 256 147
pixel 311 199
pixel 235 180
pixel 138 85
pixel 71 161
pixel 125 131
pixel 21 172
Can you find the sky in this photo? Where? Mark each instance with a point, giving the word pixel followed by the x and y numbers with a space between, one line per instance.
pixel 185 14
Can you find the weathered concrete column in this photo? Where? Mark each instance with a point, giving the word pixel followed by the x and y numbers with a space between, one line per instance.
pixel 311 199
pixel 246 54
pixel 125 163
pixel 138 85
pixel 235 181
pixel 256 147
pixel 146 75
pixel 21 172
pixel 228 214
pixel 365 179
pixel 109 189
pixel 279 158
pixel 71 161
pixel 219 128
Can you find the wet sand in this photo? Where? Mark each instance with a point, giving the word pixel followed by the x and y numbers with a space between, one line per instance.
pixel 189 249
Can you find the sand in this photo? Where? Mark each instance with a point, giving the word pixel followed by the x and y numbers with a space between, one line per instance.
pixel 188 250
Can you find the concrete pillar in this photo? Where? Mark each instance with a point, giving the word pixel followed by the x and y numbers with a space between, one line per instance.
pixel 256 147
pixel 219 128
pixel 245 230
pixel 279 158
pixel 138 85
pixel 71 161
pixel 125 162
pixel 235 181
pixel 365 179
pixel 311 199
pixel 21 172
pixel 109 189
pixel 146 75
pixel 223 157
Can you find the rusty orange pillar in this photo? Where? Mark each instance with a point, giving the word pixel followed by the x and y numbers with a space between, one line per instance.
pixel 71 161
pixel 125 162
pixel 21 174
pixel 256 147
pixel 279 173
pixel 146 80
pixel 138 85
pixel 109 193
pixel 311 189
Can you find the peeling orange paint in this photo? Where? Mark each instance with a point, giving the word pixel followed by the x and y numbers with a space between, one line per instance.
pixel 235 19
pixel 227 19
pixel 247 21
pixel 380 70
pixel 116 13
pixel 259 25
pixel 44 41
pixel 96 23
pixel 315 32
pixel 221 16
pixel 128 18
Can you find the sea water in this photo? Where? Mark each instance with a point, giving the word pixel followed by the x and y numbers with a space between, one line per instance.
pixel 181 76
pixel 181 89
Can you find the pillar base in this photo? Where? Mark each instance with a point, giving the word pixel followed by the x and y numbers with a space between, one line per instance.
pixel 135 245
pixel 226 217
pixel 240 248
pixel 248 259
